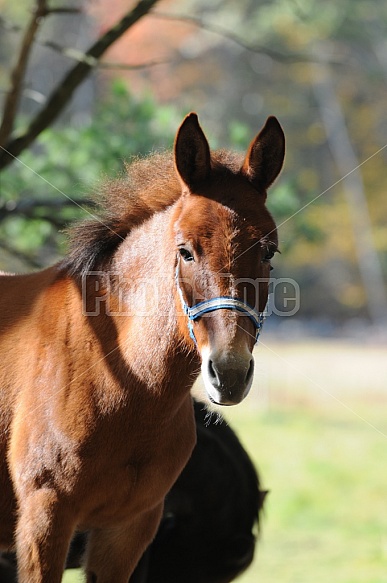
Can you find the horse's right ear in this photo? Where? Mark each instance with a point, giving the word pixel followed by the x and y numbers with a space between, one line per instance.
pixel 192 153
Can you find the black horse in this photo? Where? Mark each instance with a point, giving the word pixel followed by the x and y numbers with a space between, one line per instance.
pixel 211 515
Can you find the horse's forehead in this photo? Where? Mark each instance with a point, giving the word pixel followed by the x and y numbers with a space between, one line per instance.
pixel 200 212
pixel 206 217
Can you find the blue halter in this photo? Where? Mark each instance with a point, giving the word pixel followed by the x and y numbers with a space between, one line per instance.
pixel 220 303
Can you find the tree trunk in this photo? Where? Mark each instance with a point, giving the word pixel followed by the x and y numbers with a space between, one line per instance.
pixel 349 167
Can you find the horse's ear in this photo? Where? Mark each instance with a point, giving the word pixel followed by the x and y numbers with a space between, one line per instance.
pixel 192 153
pixel 265 155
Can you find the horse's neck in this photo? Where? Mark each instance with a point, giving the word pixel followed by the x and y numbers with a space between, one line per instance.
pixel 148 335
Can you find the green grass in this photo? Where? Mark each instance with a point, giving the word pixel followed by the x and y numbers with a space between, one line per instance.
pixel 315 425
pixel 73 576
pixel 326 514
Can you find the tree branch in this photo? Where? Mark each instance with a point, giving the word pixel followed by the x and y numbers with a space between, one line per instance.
pixel 82 57
pixel 40 209
pixel 20 255
pixel 62 94
pixel 63 10
pixel 17 75
pixel 229 35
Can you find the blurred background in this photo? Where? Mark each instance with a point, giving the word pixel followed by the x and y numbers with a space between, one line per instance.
pixel 314 422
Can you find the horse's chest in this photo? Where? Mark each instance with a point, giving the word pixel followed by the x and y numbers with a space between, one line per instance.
pixel 131 485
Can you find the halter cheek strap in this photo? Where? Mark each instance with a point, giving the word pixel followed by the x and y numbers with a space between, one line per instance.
pixel 219 303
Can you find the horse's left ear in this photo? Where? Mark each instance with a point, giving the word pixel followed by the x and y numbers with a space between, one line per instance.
pixel 192 153
pixel 265 155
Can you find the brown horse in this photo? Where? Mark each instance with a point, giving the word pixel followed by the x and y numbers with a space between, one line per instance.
pixel 97 360
pixel 208 531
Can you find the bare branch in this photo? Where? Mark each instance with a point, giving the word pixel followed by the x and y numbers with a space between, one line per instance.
pixel 71 53
pixel 82 57
pixel 229 35
pixel 62 94
pixel 63 10
pixel 17 75
pixel 126 67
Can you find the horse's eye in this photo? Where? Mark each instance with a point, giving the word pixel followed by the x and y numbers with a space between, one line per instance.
pixel 185 254
pixel 268 256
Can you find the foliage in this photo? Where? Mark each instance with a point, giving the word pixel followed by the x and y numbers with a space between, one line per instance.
pixel 66 163
pixel 269 51
pixel 234 88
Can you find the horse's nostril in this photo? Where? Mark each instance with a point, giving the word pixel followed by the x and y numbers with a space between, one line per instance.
pixel 250 372
pixel 211 371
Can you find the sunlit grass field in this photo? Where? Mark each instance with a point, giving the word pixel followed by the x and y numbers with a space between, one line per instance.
pixel 315 425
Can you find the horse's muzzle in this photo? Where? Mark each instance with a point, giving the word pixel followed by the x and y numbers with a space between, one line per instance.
pixel 227 376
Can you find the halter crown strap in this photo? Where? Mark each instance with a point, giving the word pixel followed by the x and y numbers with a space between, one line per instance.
pixel 219 303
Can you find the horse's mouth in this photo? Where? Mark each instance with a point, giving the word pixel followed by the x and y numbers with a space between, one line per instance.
pixel 219 404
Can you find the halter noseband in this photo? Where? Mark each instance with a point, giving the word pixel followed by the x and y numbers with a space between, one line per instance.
pixel 220 303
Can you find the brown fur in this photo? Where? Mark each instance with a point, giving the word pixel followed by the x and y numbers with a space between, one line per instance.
pixel 149 185
pixel 96 420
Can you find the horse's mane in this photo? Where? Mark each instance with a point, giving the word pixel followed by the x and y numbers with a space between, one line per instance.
pixel 147 186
